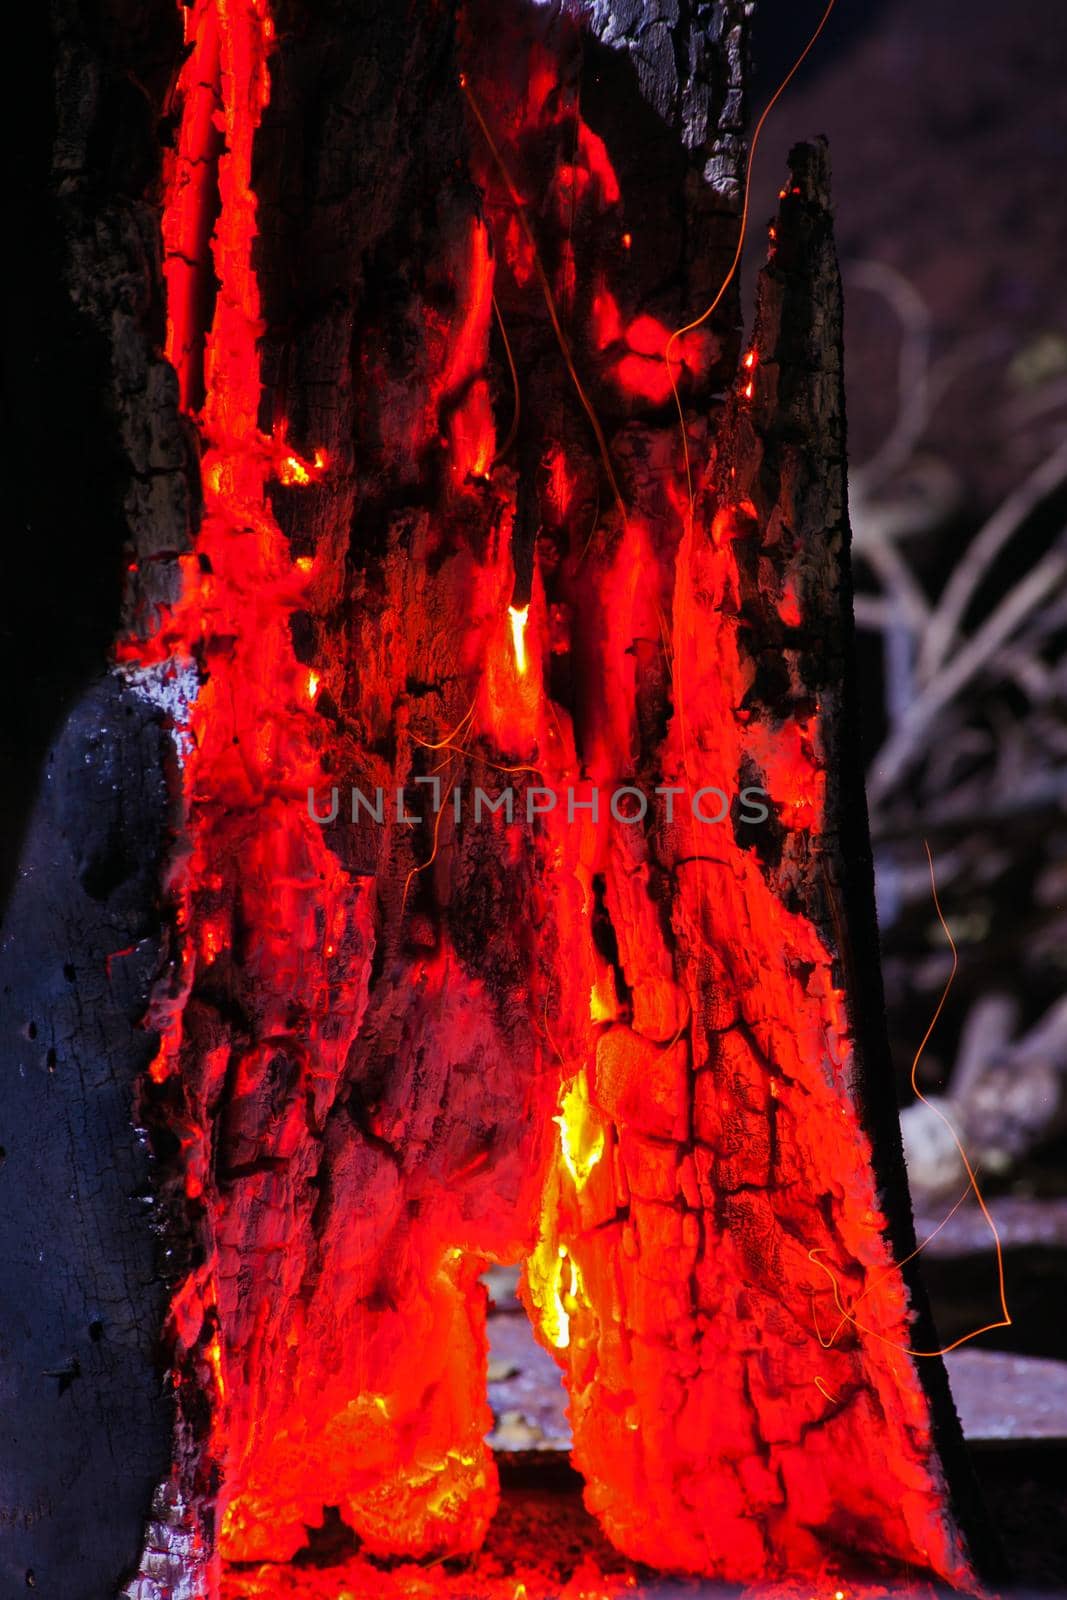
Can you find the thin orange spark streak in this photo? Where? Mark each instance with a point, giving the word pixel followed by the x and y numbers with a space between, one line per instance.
pixel 422 866
pixel 896 1266
pixel 439 744
pixel 972 1185
pixel 919 1248
pixel 492 766
pixel 446 742
pixel 699 321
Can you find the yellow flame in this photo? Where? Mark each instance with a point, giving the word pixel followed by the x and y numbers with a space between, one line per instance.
pixel 603 1005
pixel 545 1275
pixel 214 1355
pixel 518 635
pixel 581 1136
pixel 553 1279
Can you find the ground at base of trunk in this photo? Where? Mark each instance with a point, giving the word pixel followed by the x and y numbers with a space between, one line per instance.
pixel 543 1545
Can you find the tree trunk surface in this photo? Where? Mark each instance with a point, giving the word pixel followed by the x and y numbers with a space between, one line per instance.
pixel 427 513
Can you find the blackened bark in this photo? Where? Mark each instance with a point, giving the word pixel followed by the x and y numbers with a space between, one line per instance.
pixel 98 475
pixel 98 463
pixel 84 1424
pixel 791 448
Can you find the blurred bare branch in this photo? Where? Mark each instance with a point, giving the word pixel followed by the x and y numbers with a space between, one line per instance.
pixel 978 652
pixel 1011 1098
pixel 979 556
pixel 974 754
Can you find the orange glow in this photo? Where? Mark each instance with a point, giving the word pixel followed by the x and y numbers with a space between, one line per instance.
pixel 292 469
pixel 212 941
pixel 519 618
pixel 471 428
pixel 779 1054
pixel 640 371
pixel 594 153
pixel 537 266
pixel 555 1287
pixel 789 608
pixel 607 319
pixel 214 1355
pixel 603 1004
pixel 560 483
pixel 159 1068
pixel 467 352
pixel 253 753
pixel 187 217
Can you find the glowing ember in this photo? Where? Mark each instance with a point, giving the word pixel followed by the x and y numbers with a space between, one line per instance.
pixel 581 1132
pixel 519 616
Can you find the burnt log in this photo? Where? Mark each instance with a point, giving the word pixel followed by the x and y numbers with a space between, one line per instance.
pixel 519 906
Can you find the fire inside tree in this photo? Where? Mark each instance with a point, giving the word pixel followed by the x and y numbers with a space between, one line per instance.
pixel 421 282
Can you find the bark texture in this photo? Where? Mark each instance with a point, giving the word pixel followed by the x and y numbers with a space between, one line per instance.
pixel 421 285
pixel 100 468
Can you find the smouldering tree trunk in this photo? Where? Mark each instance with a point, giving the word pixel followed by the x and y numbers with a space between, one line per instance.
pixel 456 550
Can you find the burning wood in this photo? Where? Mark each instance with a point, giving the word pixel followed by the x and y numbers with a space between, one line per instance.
pixel 637 1048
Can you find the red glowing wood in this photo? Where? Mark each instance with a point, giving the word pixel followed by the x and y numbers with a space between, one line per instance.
pixel 664 1140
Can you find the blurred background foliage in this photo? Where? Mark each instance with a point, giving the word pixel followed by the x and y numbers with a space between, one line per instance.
pixel 948 135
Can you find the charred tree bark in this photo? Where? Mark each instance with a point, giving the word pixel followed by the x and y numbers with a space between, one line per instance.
pixel 100 473
pixel 455 541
